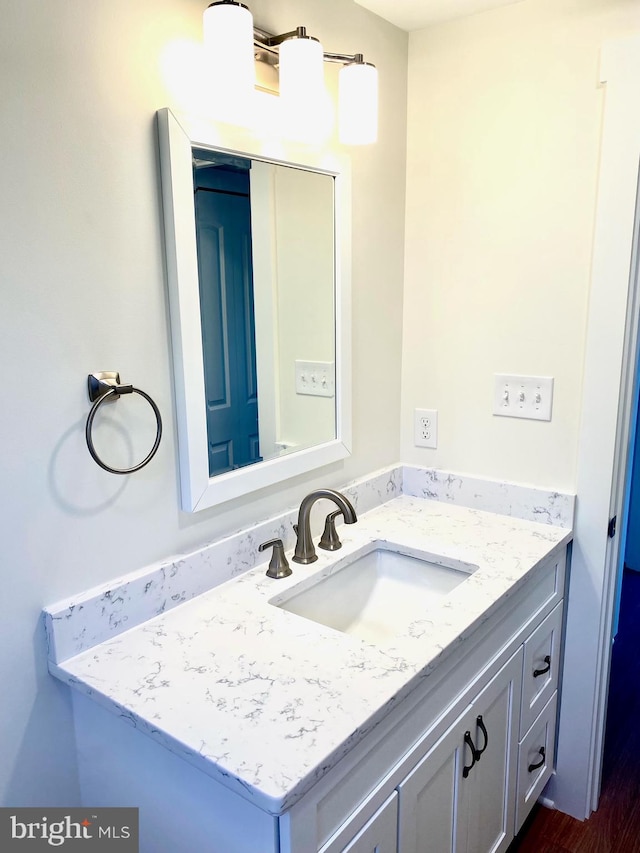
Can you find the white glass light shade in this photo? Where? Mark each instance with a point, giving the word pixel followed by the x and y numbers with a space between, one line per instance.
pixel 305 106
pixel 228 43
pixel 358 104
pixel 301 71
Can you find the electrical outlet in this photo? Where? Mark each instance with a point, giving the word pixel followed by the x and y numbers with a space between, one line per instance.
pixel 425 428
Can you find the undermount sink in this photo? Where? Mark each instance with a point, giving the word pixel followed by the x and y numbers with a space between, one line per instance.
pixel 378 595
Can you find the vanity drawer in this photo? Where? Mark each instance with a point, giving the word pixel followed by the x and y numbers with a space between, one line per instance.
pixel 541 666
pixel 535 760
pixel 380 834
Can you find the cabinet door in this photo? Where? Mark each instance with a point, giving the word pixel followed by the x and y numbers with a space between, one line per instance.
pixel 460 798
pixel 380 834
pixel 427 817
pixel 486 798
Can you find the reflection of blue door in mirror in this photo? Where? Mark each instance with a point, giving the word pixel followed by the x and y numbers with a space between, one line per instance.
pixel 223 227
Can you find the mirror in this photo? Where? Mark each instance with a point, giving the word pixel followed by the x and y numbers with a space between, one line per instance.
pixel 264 237
pixel 257 267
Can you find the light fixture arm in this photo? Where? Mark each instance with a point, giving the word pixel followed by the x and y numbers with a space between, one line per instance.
pixel 266 39
pixel 344 58
pixel 266 42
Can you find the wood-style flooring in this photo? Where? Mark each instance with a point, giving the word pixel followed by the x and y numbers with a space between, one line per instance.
pixel 615 826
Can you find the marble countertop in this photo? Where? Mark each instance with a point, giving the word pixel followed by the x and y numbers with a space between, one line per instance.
pixel 265 701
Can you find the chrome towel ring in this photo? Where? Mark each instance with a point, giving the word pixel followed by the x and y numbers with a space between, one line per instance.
pixel 106 386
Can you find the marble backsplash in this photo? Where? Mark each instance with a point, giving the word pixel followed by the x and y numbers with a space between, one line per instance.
pixel 89 618
pixel 527 502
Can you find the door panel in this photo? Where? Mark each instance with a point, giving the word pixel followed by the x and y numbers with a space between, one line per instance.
pixel 488 800
pixel 487 808
pixel 228 328
pixel 428 797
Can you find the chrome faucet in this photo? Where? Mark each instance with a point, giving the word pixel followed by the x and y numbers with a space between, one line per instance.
pixel 305 552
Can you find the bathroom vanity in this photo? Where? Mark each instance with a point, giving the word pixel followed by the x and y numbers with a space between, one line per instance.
pixel 238 725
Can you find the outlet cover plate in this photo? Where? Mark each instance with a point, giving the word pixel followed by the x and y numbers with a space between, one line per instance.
pixel 425 428
pixel 528 397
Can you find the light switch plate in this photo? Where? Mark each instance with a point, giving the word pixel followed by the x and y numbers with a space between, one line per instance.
pixel 523 396
pixel 316 378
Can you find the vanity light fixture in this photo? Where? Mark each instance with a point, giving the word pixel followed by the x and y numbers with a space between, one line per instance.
pixel 228 41
pixel 300 62
pixel 358 102
pixel 300 59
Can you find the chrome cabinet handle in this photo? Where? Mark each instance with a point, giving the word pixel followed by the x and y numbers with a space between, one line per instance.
pixel 537 672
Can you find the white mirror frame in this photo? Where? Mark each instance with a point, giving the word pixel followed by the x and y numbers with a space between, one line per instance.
pixel 198 490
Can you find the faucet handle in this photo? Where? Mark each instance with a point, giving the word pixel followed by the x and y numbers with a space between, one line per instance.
pixel 278 565
pixel 329 539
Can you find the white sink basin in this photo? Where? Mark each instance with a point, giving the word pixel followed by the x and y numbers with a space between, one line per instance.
pixel 378 595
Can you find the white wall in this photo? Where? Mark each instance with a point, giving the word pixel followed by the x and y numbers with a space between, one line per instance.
pixel 83 289
pixel 305 261
pixel 292 234
pixel 504 122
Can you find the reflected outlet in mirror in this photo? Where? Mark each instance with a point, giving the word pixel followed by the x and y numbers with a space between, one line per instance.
pixel 378 595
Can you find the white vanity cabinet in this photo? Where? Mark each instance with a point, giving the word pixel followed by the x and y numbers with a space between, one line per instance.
pixel 491 700
pixel 454 767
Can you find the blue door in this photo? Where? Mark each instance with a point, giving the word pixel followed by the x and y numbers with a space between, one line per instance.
pixel 223 230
